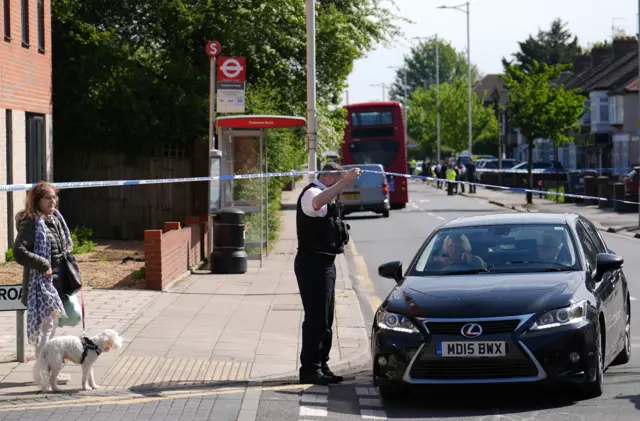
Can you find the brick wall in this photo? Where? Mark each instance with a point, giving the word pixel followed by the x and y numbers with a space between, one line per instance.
pixel 25 71
pixel 171 252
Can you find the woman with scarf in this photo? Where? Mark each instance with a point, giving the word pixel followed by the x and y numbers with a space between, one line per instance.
pixel 41 246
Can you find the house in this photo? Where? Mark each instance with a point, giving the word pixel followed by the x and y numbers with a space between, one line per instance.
pixel 26 140
pixel 602 77
pixel 491 89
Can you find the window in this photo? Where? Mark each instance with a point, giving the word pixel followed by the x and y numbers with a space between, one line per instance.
pixel 616 109
pixel 604 110
pixel 372 118
pixel 41 33
pixel 586 118
pixel 7 19
pixel 381 152
pixel 9 169
pixel 25 23
pixel 513 248
pixel 36 164
pixel 590 251
pixel 595 237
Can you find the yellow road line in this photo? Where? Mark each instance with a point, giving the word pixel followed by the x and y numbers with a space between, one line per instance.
pixel 365 281
pixel 126 400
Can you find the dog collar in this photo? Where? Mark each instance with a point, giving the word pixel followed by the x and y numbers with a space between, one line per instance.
pixel 88 345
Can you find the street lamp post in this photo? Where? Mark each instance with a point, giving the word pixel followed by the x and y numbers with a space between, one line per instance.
pixel 312 130
pixel 437 88
pixel 638 124
pixel 465 9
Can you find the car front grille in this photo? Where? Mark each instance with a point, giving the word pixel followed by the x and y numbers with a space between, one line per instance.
pixel 488 327
pixel 472 369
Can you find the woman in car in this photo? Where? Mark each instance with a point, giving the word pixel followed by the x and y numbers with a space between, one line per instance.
pixel 456 250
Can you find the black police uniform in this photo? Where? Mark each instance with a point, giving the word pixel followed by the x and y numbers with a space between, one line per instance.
pixel 320 239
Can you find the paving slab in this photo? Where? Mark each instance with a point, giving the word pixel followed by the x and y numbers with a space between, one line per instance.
pixel 207 330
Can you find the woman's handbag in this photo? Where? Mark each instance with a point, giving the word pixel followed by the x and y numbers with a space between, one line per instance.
pixel 73 281
pixel 73 308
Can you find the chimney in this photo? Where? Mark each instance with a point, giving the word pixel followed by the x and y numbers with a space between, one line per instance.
pixel 624 46
pixel 601 54
pixel 581 63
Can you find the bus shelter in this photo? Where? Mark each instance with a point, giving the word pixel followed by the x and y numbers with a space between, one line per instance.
pixel 241 140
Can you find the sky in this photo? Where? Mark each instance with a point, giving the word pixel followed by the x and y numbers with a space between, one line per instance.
pixel 496 27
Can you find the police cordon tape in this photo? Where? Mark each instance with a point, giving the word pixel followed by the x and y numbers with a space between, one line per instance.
pixel 116 183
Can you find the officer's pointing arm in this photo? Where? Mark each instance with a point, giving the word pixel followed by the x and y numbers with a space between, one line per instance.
pixel 330 193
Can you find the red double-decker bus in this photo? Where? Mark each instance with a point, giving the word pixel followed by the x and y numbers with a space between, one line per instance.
pixel 375 135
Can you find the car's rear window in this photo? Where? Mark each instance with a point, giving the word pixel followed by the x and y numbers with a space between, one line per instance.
pixel 369 178
pixel 499 248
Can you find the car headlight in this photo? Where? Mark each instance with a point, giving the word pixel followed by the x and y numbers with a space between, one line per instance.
pixel 396 322
pixel 574 313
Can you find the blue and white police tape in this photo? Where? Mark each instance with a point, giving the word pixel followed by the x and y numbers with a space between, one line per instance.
pixel 515 189
pixel 116 183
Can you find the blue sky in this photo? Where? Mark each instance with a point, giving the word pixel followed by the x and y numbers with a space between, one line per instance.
pixel 496 28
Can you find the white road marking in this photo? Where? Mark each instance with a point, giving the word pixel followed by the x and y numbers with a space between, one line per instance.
pixel 425 200
pixel 441 218
pixel 312 398
pixel 633 299
pixel 310 411
pixel 373 414
pixel 366 391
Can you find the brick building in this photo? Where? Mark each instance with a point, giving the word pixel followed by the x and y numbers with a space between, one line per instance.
pixel 26 141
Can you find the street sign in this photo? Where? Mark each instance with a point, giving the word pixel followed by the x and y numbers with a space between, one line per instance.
pixel 231 77
pixel 232 69
pixel 213 48
pixel 11 298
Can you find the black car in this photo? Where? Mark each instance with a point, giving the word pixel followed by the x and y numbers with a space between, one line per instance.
pixel 505 298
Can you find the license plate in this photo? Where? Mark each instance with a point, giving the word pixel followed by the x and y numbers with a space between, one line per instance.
pixel 351 195
pixel 471 349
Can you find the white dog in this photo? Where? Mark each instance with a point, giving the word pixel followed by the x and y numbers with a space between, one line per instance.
pixel 84 351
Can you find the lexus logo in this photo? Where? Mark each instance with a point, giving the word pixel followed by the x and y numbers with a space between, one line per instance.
pixel 471 330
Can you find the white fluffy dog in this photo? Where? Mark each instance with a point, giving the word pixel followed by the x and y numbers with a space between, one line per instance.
pixel 84 351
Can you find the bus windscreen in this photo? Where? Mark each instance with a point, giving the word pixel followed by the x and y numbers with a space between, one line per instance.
pixel 371 118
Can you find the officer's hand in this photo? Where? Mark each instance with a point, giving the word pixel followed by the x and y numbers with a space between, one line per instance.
pixel 352 175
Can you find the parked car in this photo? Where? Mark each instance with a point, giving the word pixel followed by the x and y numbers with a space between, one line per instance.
pixel 369 193
pixel 631 181
pixel 494 164
pixel 504 298
pixel 544 166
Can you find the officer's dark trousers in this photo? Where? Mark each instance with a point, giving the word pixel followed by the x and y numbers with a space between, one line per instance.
pixel 316 274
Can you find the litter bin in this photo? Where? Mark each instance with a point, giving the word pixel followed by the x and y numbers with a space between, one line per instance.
pixel 590 189
pixel 605 192
pixel 229 255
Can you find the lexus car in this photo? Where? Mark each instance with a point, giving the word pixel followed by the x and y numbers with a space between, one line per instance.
pixel 505 298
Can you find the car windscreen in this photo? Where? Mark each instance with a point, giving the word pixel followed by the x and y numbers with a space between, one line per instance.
pixel 514 248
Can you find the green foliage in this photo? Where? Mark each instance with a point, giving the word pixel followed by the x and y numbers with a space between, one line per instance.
pixel 555 197
pixel 130 75
pixel 81 237
pixel 140 274
pixel 420 66
pixel 8 256
pixel 422 118
pixel 554 46
pixel 542 108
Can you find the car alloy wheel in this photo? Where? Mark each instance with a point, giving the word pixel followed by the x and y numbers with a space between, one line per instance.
pixel 595 388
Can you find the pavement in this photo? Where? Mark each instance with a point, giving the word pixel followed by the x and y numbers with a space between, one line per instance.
pixel 215 340
pixel 626 223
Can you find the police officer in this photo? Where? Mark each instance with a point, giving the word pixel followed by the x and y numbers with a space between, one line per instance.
pixel 321 236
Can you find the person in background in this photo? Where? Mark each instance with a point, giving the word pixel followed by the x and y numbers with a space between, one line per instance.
pixel 42 241
pixel 450 174
pixel 322 235
pixel 471 175
pixel 463 175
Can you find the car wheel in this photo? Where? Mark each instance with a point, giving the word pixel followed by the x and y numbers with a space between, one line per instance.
pixel 393 393
pixel 385 213
pixel 625 355
pixel 595 388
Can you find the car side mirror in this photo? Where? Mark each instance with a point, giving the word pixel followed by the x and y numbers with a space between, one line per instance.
pixel 391 270
pixel 606 262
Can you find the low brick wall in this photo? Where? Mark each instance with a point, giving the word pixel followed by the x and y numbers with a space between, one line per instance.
pixel 173 251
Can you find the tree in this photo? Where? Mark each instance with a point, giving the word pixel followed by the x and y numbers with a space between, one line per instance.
pixel 420 67
pixel 542 108
pixel 554 46
pixel 454 120
pixel 132 74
